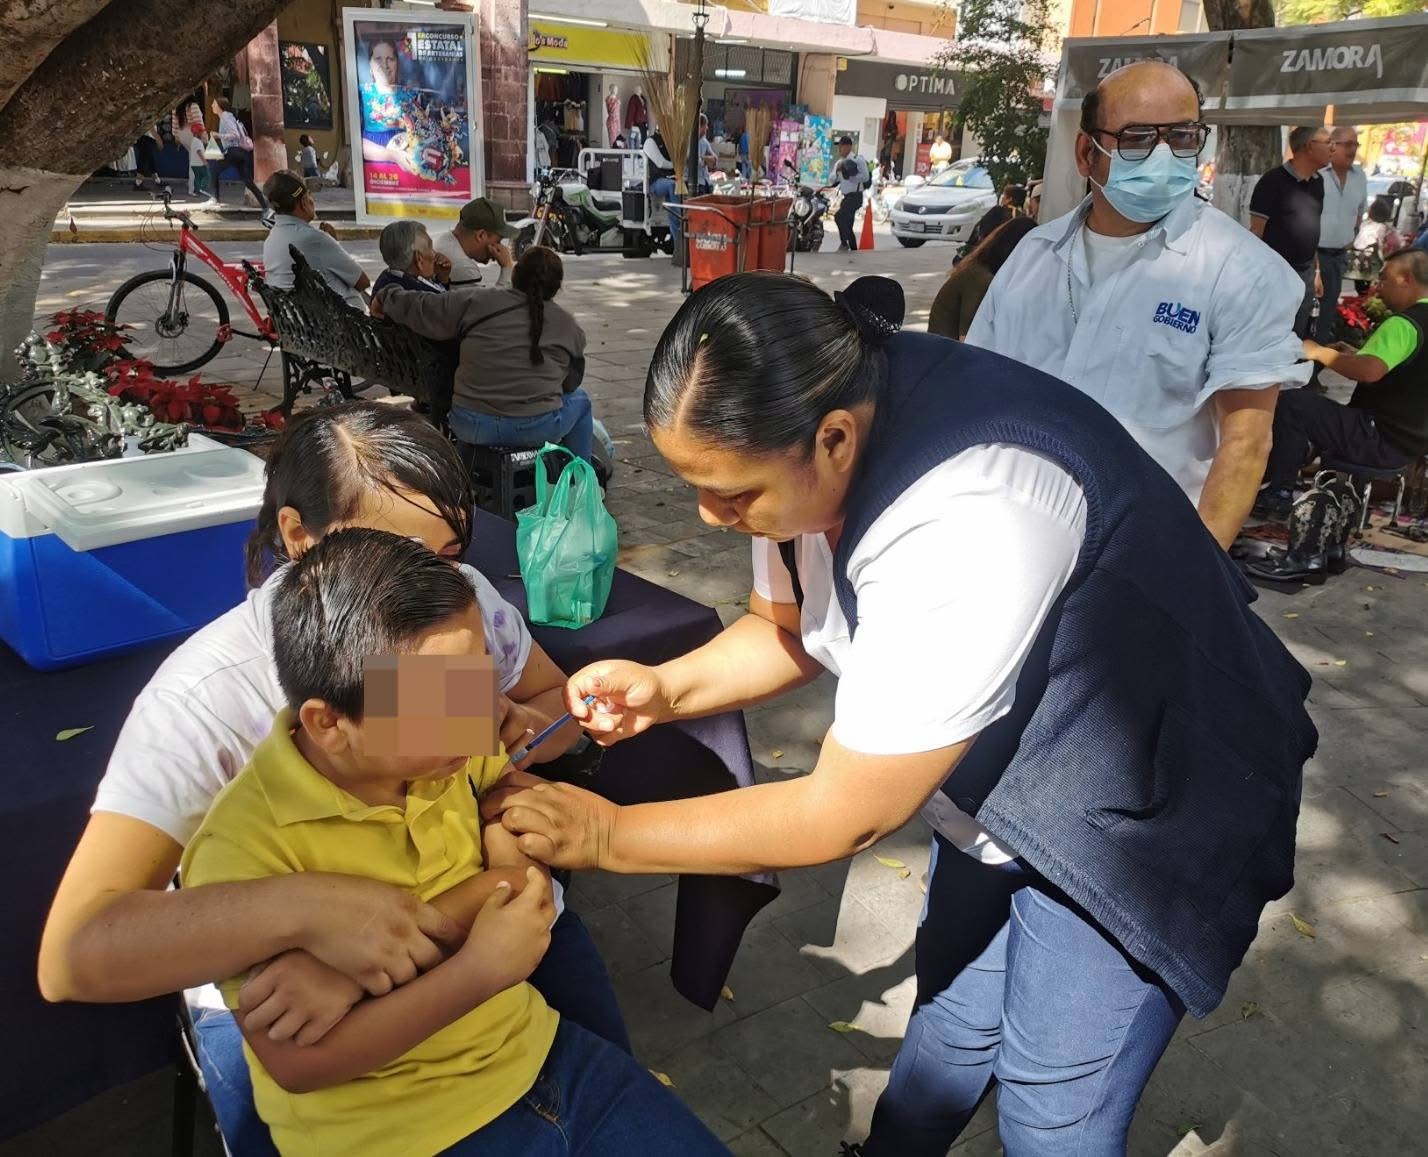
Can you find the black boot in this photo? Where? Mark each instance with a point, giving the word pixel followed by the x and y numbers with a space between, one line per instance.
pixel 1315 525
pixel 1350 509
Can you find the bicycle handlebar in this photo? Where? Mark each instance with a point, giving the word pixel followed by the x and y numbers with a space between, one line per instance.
pixel 172 214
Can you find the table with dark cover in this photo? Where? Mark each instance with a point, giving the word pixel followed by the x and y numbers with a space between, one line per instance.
pixel 57 1056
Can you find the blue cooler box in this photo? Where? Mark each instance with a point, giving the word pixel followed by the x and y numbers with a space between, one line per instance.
pixel 104 557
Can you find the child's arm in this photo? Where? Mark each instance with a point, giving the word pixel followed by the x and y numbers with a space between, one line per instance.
pixel 509 936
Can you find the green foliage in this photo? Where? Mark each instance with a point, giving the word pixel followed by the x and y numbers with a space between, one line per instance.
pixel 1002 51
pixel 1322 11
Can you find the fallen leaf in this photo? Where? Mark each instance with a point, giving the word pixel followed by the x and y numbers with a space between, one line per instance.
pixel 672 573
pixel 1390 837
pixel 1341 662
pixel 904 874
pixel 1303 927
pixel 727 993
pixel 844 1026
pixel 776 753
pixel 1291 614
pixel 1368 588
pixel 71 732
pixel 888 862
pixel 662 1078
pixel 1248 1009
pixel 1379 794
pixel 1368 634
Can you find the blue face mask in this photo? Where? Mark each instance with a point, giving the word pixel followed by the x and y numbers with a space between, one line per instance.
pixel 1147 190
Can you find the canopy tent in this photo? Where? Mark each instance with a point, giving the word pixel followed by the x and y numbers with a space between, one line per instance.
pixel 1370 71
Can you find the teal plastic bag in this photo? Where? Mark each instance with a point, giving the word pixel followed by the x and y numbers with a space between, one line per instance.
pixel 566 543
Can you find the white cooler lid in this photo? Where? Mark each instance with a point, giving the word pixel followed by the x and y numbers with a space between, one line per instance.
pixel 99 504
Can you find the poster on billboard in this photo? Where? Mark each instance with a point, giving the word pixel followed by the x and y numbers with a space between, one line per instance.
pixel 307 85
pixel 413 99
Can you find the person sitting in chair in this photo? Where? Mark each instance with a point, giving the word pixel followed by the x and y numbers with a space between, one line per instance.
pixel 294 226
pixel 522 357
pixel 1385 424
pixel 411 259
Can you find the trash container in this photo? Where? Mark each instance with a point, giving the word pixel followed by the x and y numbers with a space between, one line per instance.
pixel 769 237
pixel 720 243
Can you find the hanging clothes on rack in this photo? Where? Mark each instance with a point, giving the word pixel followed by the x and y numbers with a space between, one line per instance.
pixel 636 113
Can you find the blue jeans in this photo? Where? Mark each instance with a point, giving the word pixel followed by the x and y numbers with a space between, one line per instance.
pixel 573 426
pixel 594 1100
pixel 1018 986
pixel 571 977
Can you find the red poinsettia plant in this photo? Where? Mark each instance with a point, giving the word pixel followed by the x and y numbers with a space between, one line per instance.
pixel 1357 317
pixel 89 343
pixel 196 402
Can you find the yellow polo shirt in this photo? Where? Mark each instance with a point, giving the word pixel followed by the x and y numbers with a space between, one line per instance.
pixel 279 815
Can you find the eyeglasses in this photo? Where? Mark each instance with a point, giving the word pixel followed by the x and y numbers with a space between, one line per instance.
pixel 1136 142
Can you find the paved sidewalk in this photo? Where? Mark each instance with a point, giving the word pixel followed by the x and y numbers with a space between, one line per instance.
pixel 1319 1049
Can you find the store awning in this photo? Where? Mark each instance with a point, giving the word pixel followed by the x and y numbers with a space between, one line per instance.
pixel 1369 70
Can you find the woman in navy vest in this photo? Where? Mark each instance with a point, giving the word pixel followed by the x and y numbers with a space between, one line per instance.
pixel 1038 645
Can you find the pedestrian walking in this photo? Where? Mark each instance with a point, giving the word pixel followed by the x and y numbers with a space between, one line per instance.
pixel 1345 199
pixel 853 177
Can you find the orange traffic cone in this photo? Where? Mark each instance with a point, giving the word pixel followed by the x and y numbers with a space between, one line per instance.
pixel 866 240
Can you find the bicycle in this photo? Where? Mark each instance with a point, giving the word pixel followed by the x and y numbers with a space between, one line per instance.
pixel 178 320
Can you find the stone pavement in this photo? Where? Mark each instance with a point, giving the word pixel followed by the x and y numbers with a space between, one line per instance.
pixel 1319 1047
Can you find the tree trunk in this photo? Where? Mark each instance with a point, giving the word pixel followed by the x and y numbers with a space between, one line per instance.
pixel 29 200
pixel 1245 152
pixel 92 85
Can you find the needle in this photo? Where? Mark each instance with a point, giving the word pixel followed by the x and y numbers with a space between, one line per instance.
pixel 521 752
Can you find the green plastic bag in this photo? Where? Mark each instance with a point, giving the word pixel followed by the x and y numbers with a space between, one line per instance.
pixel 566 543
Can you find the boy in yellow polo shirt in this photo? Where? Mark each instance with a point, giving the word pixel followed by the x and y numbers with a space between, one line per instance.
pixel 379 648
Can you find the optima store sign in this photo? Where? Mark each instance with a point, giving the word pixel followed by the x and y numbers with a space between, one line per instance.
pixel 901 85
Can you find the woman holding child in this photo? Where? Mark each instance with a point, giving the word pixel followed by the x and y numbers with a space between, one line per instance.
pixel 1037 645
pixel 321 942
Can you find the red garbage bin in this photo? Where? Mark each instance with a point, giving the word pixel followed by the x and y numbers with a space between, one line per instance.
pixel 720 243
pixel 770 233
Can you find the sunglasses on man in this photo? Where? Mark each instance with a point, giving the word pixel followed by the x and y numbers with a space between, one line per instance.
pixel 1136 142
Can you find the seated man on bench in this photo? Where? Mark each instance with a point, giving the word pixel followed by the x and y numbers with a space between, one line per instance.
pixel 1385 424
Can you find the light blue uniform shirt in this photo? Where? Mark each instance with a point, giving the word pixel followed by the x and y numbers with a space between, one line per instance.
pixel 1200 305
pixel 855 183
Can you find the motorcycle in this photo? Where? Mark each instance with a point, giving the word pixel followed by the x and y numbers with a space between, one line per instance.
pixel 809 209
pixel 566 217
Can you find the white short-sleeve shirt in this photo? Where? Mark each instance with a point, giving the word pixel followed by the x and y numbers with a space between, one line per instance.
pixel 954 580
pixel 1199 305
pixel 196 723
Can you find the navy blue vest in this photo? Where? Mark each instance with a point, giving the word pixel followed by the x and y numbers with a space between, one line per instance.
pixel 1151 765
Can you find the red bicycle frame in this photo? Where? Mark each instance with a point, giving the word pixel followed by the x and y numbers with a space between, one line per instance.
pixel 234 276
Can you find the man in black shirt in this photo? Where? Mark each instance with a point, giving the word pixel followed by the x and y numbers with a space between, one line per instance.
pixel 1285 210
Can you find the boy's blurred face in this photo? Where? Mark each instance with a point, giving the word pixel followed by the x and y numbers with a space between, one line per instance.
pixel 426 712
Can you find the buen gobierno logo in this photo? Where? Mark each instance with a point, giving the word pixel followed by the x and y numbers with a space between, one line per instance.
pixel 1339 57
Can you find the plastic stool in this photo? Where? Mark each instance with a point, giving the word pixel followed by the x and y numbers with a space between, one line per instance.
pixel 503 478
pixel 1370 475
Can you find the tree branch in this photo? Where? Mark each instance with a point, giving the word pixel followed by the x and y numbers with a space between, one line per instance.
pixel 32 28
pixel 89 98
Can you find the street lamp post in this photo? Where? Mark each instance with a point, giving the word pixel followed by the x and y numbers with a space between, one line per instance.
pixel 701 18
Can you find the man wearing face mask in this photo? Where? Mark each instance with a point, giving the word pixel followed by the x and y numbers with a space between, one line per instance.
pixel 1164 309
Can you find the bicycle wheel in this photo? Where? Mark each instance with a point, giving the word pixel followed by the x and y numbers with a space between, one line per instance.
pixel 176 342
pixel 881 212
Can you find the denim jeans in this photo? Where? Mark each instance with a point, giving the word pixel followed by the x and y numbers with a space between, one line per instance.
pixel 1018 986
pixel 571 977
pixel 1333 264
pixel 572 426
pixel 594 1100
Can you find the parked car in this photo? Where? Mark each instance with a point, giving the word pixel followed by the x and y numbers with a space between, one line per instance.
pixel 945 206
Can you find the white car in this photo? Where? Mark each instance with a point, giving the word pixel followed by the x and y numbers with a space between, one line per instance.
pixel 945 207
